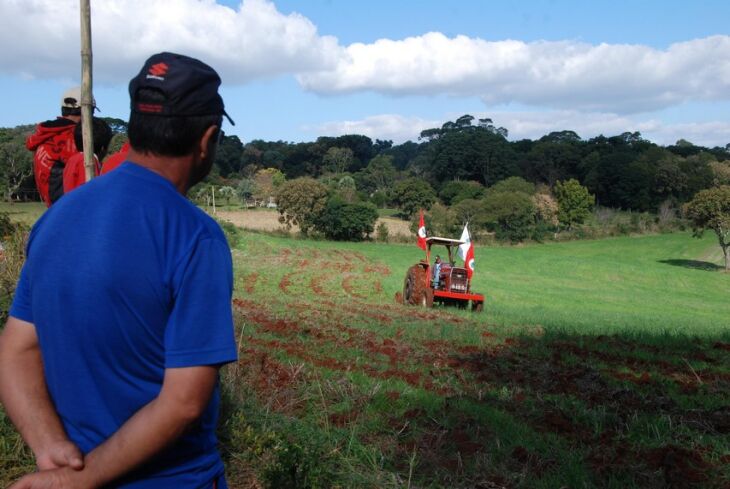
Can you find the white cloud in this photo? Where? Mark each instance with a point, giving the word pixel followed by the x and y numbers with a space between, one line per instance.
pixel 253 41
pixel 564 74
pixel 534 125
pixel 41 38
pixel 395 127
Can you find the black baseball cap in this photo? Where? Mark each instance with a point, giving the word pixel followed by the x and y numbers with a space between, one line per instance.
pixel 190 87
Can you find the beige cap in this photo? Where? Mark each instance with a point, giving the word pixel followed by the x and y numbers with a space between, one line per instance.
pixel 72 98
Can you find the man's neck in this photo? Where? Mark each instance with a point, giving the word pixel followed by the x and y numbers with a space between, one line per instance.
pixel 176 169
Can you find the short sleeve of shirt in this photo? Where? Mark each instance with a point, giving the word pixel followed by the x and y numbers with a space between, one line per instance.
pixel 200 328
pixel 22 307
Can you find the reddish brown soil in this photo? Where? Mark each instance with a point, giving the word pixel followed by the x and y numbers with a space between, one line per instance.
pixel 249 282
pixel 317 285
pixel 347 286
pixel 285 282
pixel 605 373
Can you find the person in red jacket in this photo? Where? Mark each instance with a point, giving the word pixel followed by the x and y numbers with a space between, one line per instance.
pixel 74 174
pixel 116 159
pixel 53 144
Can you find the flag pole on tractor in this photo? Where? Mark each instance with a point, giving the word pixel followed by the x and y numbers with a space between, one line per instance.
pixel 466 251
pixel 87 104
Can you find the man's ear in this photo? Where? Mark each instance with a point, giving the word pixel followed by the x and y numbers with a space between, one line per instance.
pixel 209 136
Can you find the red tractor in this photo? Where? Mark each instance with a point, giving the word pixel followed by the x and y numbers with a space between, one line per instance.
pixel 422 286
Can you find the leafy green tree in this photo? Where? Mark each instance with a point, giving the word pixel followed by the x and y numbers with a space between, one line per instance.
pixel 575 203
pixel 554 157
pixel 412 194
pixel 118 126
pixel 721 172
pixel 469 154
pixel 510 215
pixel 440 221
pixel 277 178
pixel 300 202
pixel 378 175
pixel 512 184
pixel 245 189
pixel 227 192
pixel 342 221
pixel 471 211
pixel 16 162
pixel 338 160
pixel 710 209
pixel 347 189
pixel 379 199
pixel 228 155
pixel 456 191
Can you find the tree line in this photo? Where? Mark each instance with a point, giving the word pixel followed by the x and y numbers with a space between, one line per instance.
pixel 453 166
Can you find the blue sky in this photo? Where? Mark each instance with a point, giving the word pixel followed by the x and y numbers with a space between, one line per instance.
pixel 294 70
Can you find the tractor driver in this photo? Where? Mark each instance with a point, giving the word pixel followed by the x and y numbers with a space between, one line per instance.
pixel 436 271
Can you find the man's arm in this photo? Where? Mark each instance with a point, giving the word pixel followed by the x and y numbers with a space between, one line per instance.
pixel 184 396
pixel 24 394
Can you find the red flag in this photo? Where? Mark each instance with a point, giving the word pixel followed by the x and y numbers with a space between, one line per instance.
pixel 422 233
pixel 470 261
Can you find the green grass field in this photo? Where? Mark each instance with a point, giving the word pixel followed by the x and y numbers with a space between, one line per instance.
pixel 595 364
pixel 27 213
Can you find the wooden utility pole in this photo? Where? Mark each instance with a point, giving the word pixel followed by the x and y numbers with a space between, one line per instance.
pixel 87 98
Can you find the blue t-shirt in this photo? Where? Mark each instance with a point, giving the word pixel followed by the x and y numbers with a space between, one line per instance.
pixel 124 278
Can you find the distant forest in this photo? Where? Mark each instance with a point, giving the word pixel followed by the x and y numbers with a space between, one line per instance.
pixel 624 171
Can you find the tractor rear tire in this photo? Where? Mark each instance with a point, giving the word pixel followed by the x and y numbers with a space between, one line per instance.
pixel 414 286
pixel 427 299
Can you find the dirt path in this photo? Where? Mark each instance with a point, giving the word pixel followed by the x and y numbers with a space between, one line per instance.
pixel 266 220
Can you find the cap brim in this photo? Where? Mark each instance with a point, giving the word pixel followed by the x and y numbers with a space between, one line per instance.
pixel 229 118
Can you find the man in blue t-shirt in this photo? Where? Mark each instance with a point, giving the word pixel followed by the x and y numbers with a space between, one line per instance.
pixel 122 318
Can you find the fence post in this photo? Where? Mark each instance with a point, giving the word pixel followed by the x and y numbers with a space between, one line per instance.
pixel 87 99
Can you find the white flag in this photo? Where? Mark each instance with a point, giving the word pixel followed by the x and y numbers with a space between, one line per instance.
pixel 464 248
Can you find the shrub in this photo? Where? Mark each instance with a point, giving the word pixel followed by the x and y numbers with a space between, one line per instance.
pixel 379 199
pixel 342 221
pixel 710 209
pixel 12 256
pixel 456 191
pixel 300 202
pixel 231 231
pixel 440 221
pixel 574 201
pixel 510 215
pixel 412 194
pixel 469 210
pixel 381 232
pixel 512 184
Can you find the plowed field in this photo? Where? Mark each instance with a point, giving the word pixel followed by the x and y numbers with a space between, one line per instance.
pixel 339 386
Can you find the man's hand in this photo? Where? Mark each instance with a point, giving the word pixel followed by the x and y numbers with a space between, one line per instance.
pixel 64 478
pixel 60 454
pixel 24 395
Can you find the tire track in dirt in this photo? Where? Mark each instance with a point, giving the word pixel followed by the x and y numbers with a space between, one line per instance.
pixel 317 285
pixel 249 282
pixel 348 287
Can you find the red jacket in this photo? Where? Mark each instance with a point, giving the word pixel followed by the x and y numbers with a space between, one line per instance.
pixel 116 159
pixel 53 143
pixel 74 175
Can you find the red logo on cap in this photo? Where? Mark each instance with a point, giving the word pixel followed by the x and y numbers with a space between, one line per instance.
pixel 158 69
